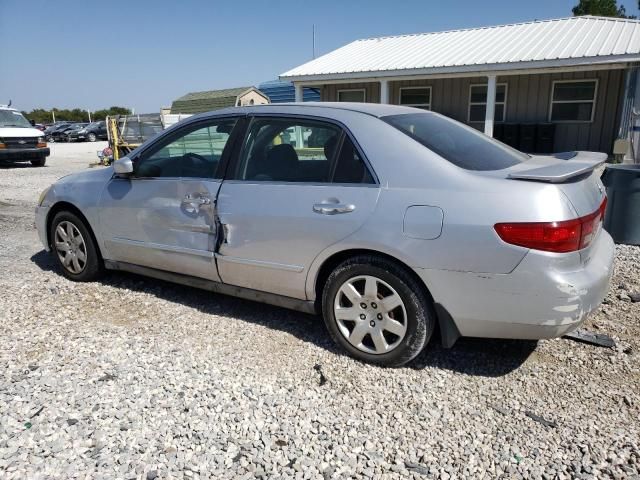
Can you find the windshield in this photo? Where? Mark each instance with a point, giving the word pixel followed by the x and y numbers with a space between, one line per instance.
pixel 461 145
pixel 11 118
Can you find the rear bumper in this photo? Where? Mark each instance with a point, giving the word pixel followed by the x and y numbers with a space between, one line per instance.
pixel 546 296
pixel 41 225
pixel 18 154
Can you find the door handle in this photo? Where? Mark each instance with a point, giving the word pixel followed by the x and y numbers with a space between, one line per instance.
pixel 333 208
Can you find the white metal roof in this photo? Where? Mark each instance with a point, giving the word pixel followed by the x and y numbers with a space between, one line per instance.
pixel 538 44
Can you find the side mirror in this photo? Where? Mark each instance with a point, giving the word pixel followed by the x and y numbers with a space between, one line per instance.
pixel 123 166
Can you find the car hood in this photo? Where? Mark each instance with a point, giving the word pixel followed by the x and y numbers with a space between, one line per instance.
pixel 20 132
pixel 92 175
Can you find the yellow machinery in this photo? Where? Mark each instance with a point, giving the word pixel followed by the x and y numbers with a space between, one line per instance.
pixel 127 132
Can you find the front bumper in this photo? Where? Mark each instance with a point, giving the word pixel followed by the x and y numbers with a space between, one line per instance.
pixel 546 296
pixel 23 153
pixel 41 225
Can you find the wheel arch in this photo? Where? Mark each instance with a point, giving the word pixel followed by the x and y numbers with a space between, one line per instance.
pixel 447 328
pixel 64 206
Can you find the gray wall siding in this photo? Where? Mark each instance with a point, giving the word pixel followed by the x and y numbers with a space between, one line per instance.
pixel 528 101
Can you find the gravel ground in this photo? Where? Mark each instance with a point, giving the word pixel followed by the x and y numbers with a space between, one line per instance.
pixel 135 378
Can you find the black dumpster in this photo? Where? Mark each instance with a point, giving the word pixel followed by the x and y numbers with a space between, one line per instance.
pixel 545 137
pixel 622 217
pixel 511 134
pixel 527 138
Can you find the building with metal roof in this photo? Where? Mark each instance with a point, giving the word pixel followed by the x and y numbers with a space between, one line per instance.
pixel 281 91
pixel 198 102
pixel 548 85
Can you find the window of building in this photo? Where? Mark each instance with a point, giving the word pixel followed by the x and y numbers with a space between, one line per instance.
pixel 352 95
pixel 573 101
pixel 478 103
pixel 419 97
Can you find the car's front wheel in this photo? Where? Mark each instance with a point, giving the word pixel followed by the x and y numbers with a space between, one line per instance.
pixel 92 137
pixel 74 248
pixel 377 311
pixel 40 162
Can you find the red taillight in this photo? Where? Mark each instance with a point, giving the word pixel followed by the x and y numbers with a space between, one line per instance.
pixel 560 237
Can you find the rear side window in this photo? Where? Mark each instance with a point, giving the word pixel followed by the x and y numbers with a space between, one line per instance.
pixel 299 150
pixel 350 168
pixel 461 145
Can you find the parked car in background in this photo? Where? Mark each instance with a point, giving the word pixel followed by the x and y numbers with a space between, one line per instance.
pixel 62 134
pixel 395 220
pixel 51 129
pixel 19 141
pixel 92 132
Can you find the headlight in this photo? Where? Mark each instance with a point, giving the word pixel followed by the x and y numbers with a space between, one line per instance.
pixel 43 195
pixel 41 140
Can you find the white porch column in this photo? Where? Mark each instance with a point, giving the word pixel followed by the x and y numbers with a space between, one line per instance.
pixel 299 95
pixel 491 105
pixel 384 91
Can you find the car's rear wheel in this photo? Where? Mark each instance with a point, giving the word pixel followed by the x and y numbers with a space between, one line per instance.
pixel 92 137
pixel 74 248
pixel 39 162
pixel 377 311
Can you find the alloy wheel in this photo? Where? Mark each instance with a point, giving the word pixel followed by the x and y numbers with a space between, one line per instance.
pixel 370 314
pixel 70 247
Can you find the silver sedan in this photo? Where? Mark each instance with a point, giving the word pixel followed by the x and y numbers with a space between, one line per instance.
pixel 389 221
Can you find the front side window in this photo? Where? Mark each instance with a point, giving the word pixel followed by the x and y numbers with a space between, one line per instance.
pixel 194 154
pixel 419 97
pixel 573 101
pixel 352 95
pixel 459 144
pixel 478 103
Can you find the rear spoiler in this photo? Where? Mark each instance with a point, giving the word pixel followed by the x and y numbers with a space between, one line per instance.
pixel 571 164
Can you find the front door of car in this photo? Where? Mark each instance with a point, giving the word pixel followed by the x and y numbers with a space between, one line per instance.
pixel 297 187
pixel 163 216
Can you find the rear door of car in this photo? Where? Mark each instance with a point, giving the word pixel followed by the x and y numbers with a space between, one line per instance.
pixel 298 185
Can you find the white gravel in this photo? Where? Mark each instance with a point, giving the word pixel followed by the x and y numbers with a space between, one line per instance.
pixel 134 378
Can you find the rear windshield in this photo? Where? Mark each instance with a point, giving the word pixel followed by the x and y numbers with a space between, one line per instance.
pixel 463 146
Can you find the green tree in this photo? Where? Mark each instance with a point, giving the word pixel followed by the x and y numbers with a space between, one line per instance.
pixel 40 115
pixel 602 8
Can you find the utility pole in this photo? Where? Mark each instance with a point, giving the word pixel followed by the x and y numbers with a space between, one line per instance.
pixel 89 112
pixel 313 41
pixel 53 114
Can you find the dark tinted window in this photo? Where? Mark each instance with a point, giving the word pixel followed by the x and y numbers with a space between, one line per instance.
pixel 350 167
pixel 194 154
pixel 461 145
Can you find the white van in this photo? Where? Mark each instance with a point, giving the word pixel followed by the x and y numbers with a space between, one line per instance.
pixel 19 141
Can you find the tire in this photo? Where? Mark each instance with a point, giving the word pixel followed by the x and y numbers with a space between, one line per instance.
pixel 413 321
pixel 39 162
pixel 92 137
pixel 88 270
pixel 51 140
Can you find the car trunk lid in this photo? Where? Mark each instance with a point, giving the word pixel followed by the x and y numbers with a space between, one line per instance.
pixel 576 175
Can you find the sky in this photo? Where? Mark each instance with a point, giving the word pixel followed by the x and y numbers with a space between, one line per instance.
pixel 143 54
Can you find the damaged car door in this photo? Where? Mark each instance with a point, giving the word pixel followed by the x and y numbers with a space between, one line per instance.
pixel 163 214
